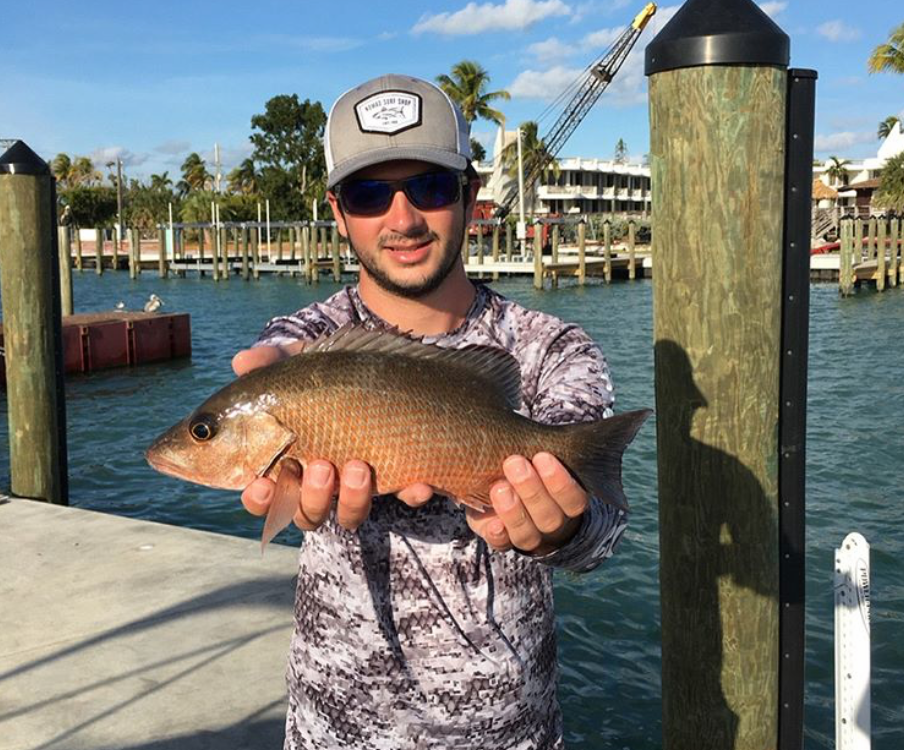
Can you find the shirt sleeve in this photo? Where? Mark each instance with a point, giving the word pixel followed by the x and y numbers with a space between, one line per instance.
pixel 305 325
pixel 574 385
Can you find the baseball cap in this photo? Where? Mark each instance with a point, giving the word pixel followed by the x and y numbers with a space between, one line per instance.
pixel 394 117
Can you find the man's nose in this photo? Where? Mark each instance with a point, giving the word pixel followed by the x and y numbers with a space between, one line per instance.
pixel 402 216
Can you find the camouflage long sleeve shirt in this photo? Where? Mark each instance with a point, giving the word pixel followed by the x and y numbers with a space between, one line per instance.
pixel 411 632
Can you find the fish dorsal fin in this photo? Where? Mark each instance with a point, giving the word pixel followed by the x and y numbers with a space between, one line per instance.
pixel 496 373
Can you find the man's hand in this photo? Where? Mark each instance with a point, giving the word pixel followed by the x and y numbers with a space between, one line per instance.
pixel 319 482
pixel 537 507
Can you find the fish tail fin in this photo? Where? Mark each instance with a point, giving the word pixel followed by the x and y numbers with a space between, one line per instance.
pixel 596 455
pixel 286 501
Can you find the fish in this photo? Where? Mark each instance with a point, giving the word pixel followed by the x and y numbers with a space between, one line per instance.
pixel 413 411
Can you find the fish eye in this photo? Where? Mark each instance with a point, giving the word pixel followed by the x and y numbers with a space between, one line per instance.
pixel 202 428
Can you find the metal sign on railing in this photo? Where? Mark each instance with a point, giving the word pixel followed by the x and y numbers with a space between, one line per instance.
pixel 852 644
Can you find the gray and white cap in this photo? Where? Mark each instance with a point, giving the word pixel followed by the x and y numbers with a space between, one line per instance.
pixel 394 117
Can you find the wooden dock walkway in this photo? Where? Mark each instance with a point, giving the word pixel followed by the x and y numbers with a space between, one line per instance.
pixel 124 634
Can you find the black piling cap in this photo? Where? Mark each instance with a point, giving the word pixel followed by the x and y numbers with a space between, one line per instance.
pixel 718 32
pixel 20 159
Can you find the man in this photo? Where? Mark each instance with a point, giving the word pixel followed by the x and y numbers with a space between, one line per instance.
pixel 420 624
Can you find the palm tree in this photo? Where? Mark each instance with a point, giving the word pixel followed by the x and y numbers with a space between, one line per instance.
pixel 161 181
pixel 533 152
pixel 889 56
pixel 83 172
pixel 478 152
pixel 61 166
pixel 837 171
pixel 890 194
pixel 467 88
pixel 886 126
pixel 244 178
pixel 194 174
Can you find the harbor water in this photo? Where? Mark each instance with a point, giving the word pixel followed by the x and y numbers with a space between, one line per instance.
pixel 609 620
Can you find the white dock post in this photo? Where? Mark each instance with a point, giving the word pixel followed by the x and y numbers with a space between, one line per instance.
pixel 852 644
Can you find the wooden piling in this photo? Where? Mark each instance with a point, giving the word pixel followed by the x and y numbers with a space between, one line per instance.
pixel 134 252
pixel 846 258
pixel 858 241
pixel 538 255
pixel 334 249
pixel 78 249
pixel 32 327
pixel 161 255
pixel 245 270
pixel 495 249
pixel 871 239
pixel 65 256
pixel 115 264
pixel 582 252
pixel 632 270
pixel 894 267
pixel 607 250
pixel 881 264
pixel 99 251
pixel 256 254
pixel 509 242
pixel 555 243
pixel 718 334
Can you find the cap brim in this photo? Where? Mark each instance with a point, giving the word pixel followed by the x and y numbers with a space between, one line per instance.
pixel 395 153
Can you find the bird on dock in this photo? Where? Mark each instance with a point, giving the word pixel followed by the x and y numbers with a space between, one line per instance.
pixel 153 304
pixel 120 305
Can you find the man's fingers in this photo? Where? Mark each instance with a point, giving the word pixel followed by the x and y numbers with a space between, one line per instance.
pixel 530 494
pixel 355 494
pixel 318 488
pixel 261 356
pixel 522 530
pixel 489 526
pixel 561 485
pixel 415 495
pixel 257 496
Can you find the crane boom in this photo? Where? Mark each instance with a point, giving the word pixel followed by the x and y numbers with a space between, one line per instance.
pixel 595 81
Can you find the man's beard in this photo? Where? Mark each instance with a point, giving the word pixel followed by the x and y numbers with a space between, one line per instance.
pixel 418 288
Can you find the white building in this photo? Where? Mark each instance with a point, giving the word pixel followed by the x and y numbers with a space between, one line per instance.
pixel 582 185
pixel 861 178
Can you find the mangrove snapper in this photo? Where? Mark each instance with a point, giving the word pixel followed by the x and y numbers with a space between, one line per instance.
pixel 414 412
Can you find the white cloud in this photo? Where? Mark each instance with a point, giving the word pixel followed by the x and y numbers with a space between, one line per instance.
pixel 545 84
pixel 230 157
pixel 772 9
pixel 838 31
pixel 601 40
pixel 106 154
pixel 842 140
pixel 512 15
pixel 552 49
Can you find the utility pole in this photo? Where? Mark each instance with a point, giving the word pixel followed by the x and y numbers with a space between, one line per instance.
pixel 216 161
pixel 118 200
pixel 521 232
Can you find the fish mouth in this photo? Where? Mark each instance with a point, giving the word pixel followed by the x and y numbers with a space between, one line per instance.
pixel 172 469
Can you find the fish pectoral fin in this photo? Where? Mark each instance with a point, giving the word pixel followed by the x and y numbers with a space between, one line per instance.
pixel 479 500
pixel 286 500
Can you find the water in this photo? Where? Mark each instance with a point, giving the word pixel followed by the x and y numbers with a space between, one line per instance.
pixel 609 619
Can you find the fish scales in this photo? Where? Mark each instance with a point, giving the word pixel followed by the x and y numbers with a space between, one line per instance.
pixel 412 420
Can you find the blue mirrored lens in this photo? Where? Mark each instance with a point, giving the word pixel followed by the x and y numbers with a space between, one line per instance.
pixel 428 191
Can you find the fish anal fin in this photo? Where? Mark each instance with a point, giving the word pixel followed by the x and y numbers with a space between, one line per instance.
pixel 286 500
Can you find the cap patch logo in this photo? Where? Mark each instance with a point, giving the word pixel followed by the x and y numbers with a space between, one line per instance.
pixel 389 112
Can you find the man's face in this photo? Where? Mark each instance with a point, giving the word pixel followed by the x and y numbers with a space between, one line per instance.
pixel 406 250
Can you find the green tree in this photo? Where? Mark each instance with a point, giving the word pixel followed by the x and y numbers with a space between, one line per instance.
pixel 90 205
pixel 467 87
pixel 288 146
pixel 889 56
pixel 890 194
pixel 147 206
pixel 478 152
pixel 621 152
pixel 886 126
pixel 61 167
pixel 161 182
pixel 195 176
pixel 244 178
pixel 837 171
pixel 82 172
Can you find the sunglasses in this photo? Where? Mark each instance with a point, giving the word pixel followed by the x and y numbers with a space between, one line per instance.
pixel 427 192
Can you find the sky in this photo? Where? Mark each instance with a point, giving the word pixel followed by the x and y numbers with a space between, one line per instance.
pixel 151 82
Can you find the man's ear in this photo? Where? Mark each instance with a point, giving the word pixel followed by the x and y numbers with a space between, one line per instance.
pixel 337 213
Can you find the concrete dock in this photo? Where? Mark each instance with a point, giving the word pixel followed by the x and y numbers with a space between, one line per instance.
pixel 124 634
